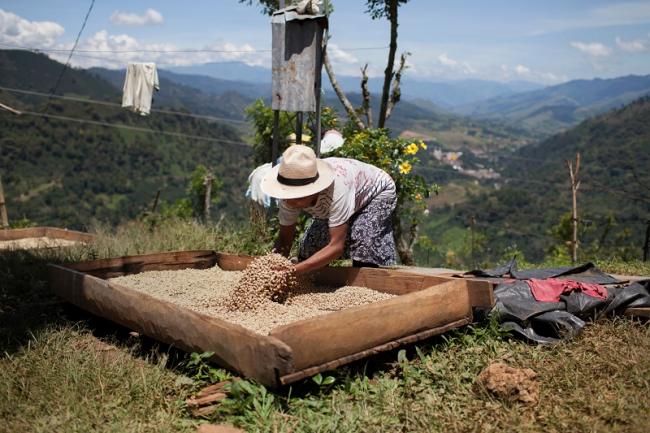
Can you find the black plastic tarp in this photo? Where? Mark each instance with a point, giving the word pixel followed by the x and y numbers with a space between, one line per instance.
pixel 548 322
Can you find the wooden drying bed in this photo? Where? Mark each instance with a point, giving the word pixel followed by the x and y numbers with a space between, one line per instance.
pixel 427 306
pixel 45 232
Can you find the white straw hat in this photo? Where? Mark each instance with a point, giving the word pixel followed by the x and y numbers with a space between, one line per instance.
pixel 298 175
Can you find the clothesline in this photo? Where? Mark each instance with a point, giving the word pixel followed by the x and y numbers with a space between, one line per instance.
pixel 134 128
pixel 114 104
pixel 206 50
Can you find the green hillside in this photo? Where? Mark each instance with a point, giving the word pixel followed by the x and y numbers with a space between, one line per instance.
pixel 66 173
pixel 613 199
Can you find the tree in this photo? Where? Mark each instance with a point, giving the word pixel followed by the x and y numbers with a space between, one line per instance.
pixel 391 93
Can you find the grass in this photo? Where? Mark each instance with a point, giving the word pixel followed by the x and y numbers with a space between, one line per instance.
pixel 58 374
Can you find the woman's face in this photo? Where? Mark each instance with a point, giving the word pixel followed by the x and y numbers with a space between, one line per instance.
pixel 301 203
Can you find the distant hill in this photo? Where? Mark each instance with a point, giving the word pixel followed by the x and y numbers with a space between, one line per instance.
pixel 447 94
pixel 66 173
pixel 614 197
pixel 553 109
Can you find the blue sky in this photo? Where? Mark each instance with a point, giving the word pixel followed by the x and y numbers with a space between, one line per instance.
pixel 547 41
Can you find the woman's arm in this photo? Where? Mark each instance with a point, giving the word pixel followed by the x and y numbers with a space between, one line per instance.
pixel 285 240
pixel 330 252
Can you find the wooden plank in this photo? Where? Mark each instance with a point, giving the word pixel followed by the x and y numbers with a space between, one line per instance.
pixel 115 267
pixel 349 331
pixel 399 282
pixel 261 357
pixel 231 262
pixel 481 291
pixel 331 365
pixel 70 235
pixel 50 232
pixel 638 312
pixel 15 234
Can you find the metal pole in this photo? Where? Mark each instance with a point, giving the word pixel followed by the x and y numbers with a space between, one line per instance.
pixel 274 145
pixel 319 68
pixel 299 127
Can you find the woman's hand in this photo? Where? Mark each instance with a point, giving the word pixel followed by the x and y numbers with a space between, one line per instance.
pixel 332 251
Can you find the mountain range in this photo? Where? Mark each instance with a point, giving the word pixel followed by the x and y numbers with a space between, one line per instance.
pixel 542 110
pixel 446 94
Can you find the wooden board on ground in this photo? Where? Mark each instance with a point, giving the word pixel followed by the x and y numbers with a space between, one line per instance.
pixel 41 237
pixel 426 306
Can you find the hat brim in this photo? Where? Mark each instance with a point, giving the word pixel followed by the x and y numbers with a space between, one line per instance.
pixel 271 186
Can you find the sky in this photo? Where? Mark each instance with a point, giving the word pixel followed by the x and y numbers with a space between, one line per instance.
pixel 548 42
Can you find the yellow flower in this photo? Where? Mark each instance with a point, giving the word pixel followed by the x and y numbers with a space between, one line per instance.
pixel 405 168
pixel 418 197
pixel 411 149
pixel 423 145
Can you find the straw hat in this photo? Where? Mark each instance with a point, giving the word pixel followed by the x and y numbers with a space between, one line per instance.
pixel 298 175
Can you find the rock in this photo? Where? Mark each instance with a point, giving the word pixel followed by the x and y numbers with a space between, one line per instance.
pixel 508 383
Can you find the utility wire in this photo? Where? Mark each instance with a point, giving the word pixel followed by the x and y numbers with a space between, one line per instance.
pixel 135 128
pixel 114 104
pixel 67 63
pixel 57 50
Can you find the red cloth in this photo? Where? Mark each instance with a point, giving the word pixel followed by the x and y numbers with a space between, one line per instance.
pixel 550 289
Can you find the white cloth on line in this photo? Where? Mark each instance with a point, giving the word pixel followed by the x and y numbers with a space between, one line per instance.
pixel 139 84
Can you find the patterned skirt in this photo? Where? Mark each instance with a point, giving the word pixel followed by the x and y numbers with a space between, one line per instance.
pixel 370 234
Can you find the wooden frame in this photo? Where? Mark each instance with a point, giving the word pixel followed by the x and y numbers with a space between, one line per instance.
pixel 47 232
pixel 426 306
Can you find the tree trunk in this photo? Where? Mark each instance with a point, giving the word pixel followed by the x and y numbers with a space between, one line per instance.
pixel 388 73
pixel 352 114
pixel 403 245
pixel 208 197
pixel 366 96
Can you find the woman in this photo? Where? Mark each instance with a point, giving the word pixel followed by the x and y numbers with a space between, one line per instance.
pixel 351 202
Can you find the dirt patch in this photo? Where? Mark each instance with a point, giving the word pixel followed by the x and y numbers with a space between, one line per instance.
pixel 209 291
pixel 512 384
pixel 34 243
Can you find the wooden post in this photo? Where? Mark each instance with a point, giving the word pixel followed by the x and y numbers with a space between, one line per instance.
pixel 3 208
pixel 646 245
pixel 208 196
pixel 155 202
pixel 575 184
pixel 11 110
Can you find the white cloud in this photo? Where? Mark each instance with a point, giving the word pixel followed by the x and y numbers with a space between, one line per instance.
pixel 340 56
pixel 15 30
pixel 635 46
pixel 115 51
pixel 522 70
pixel 455 65
pixel 150 16
pixel 446 61
pixel 593 49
